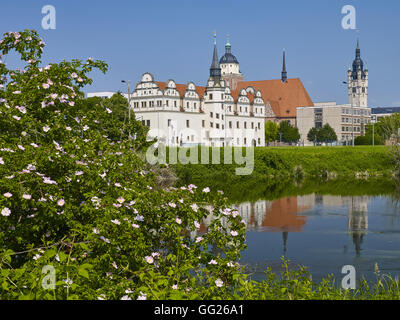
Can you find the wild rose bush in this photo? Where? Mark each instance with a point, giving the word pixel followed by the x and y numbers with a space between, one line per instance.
pixel 81 202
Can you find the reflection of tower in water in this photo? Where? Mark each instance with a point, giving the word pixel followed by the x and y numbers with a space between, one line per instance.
pixel 284 237
pixel 357 222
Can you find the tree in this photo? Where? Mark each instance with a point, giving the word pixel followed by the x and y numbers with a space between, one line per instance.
pixel 289 133
pixel 326 134
pixel 313 135
pixel 367 139
pixel 271 131
pixel 387 127
pixel 114 120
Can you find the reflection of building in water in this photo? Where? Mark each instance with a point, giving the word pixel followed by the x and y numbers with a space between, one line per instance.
pixel 357 222
pixel 306 202
pixel 259 211
pixel 245 211
pixel 280 215
pixel 333 201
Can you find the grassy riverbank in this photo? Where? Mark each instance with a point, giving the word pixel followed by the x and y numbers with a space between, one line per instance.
pixel 298 285
pixel 292 162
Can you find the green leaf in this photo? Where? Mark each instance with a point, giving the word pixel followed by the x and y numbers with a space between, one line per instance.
pixel 5 272
pixel 4 285
pixel 83 272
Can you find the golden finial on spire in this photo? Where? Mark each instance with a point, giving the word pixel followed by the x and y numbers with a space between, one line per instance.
pixel 215 37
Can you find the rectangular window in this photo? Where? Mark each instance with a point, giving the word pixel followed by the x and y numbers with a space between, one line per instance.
pixel 211 114
pixel 252 125
pixel 245 125
pixel 210 96
pixel 230 124
pixel 187 123
pixel 166 102
pixel 211 125
pixel 217 125
pixel 237 124
pixel 169 122
pixel 217 115
pixel 203 123
pixel 148 123
pixel 174 103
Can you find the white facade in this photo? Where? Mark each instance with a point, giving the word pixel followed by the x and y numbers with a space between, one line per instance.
pixel 188 115
pixel 378 116
pixel 358 89
pixel 105 94
pixel 344 119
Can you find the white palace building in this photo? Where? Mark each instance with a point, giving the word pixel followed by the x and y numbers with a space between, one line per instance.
pixel 214 115
pixel 228 111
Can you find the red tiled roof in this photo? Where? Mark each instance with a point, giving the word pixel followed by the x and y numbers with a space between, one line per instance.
pixel 161 85
pixel 284 97
pixel 182 88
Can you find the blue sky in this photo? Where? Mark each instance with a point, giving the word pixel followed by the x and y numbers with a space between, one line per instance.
pixel 173 39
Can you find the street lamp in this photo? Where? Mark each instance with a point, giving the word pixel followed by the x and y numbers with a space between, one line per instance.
pixel 352 119
pixel 373 134
pixel 129 98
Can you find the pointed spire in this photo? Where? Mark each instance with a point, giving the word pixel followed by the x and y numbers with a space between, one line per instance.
pixel 358 64
pixel 284 73
pixel 358 50
pixel 215 70
pixel 227 45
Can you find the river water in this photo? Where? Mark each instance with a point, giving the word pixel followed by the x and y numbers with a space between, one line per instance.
pixel 323 233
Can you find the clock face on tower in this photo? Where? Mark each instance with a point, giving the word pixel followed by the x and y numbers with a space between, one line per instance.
pixel 210 83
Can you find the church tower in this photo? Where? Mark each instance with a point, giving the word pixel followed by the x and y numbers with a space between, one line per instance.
pixel 213 103
pixel 357 82
pixel 230 68
pixel 284 73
